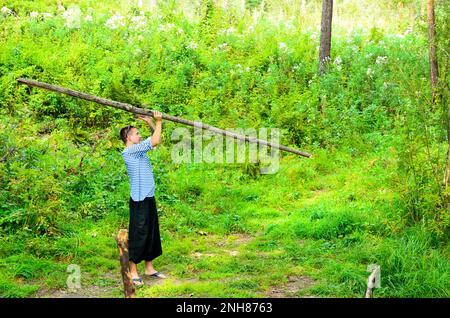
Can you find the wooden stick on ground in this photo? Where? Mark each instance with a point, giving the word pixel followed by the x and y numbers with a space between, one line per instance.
pixel 371 282
pixel 141 111
pixel 122 244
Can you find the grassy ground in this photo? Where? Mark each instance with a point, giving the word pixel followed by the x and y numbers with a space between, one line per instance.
pixel 311 229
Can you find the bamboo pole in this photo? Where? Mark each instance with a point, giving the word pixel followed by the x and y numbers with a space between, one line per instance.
pixel 141 111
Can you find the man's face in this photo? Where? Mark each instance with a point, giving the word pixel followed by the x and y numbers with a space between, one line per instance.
pixel 134 136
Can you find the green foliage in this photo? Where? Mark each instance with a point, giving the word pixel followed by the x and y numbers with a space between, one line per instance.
pixel 410 266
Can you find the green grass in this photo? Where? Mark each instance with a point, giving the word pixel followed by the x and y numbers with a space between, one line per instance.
pixel 330 235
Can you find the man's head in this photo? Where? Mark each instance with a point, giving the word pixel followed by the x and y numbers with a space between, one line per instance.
pixel 130 135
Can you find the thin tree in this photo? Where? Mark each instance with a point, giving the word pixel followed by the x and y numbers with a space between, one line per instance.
pixel 447 159
pixel 325 35
pixel 432 50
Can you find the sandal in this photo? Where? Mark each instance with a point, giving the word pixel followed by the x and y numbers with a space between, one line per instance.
pixel 137 281
pixel 156 275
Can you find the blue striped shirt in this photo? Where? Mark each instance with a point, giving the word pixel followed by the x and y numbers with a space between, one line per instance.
pixel 139 170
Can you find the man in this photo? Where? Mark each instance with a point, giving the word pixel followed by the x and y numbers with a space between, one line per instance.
pixel 144 242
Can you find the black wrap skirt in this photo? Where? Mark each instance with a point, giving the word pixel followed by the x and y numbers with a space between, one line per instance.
pixel 144 241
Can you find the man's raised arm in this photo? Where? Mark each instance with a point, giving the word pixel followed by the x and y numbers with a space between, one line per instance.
pixel 156 137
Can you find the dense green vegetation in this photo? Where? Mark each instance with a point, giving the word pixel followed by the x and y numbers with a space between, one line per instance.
pixel 372 194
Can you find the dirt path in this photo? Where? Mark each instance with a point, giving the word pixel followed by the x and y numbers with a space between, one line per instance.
pixel 111 285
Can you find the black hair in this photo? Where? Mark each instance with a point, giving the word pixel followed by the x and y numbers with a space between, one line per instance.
pixel 124 133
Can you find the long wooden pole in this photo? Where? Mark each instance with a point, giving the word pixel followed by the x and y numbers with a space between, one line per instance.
pixel 147 112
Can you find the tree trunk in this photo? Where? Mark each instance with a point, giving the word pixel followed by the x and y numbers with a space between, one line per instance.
pixel 325 35
pixel 447 160
pixel 432 50
pixel 122 244
pixel 147 112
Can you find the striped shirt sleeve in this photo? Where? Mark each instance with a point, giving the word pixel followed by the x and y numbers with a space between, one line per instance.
pixel 141 147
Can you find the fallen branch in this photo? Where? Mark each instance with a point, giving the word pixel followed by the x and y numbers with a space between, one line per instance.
pixel 141 111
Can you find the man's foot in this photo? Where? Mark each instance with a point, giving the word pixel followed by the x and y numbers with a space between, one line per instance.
pixel 137 281
pixel 155 274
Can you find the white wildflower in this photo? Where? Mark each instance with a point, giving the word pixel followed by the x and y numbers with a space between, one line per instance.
pixel 34 14
pixel 72 17
pixel 137 52
pixel 223 45
pixel 370 72
pixel 166 27
pixel 313 36
pixel 282 46
pixel 180 31
pixel 115 21
pixel 288 24
pixel 228 31
pixel 46 15
pixel 337 61
pixel 88 18
pixel 381 60
pixel 192 45
pixel 138 22
pixel 326 59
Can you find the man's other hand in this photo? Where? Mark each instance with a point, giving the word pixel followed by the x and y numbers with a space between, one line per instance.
pixel 157 115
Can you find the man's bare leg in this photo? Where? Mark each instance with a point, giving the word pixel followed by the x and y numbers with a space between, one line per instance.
pixel 133 270
pixel 149 268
